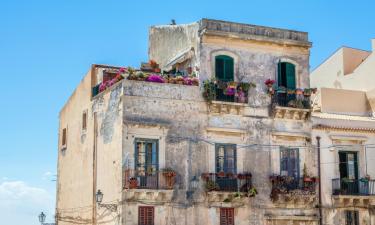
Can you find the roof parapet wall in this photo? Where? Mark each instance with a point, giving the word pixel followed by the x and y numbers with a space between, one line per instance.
pixel 207 25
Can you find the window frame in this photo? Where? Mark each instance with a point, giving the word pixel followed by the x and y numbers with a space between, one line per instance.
pixel 226 60
pixel 64 137
pixel 137 164
pixel 353 216
pixel 225 163
pixel 289 149
pixel 283 81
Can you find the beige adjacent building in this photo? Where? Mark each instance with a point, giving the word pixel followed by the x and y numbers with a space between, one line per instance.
pixel 343 118
pixel 167 152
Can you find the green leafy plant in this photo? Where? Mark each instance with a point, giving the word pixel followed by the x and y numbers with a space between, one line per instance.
pixel 209 90
pixel 211 186
pixel 252 192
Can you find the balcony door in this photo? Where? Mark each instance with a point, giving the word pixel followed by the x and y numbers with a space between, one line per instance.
pixel 286 75
pixel 289 165
pixel 226 161
pixel 348 167
pixel 147 162
pixel 224 72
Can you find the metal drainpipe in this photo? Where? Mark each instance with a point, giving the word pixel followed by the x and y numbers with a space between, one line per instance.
pixel 320 182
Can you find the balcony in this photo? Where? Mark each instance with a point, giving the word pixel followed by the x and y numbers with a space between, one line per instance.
pixel 156 186
pixel 227 182
pixel 353 187
pixel 291 106
pixel 353 192
pixel 228 188
pixel 288 190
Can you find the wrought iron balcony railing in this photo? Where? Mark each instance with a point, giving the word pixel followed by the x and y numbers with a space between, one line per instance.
pixel 288 183
pixel 353 187
pixel 291 100
pixel 227 182
pixel 163 179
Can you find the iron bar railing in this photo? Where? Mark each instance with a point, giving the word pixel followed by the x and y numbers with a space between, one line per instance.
pixel 353 187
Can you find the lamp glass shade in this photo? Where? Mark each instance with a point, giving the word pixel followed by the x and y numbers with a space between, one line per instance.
pixel 42 217
pixel 194 183
pixel 99 196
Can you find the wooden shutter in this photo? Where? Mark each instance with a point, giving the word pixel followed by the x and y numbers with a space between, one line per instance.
pixel 290 76
pixel 224 68
pixel 226 216
pixel 146 215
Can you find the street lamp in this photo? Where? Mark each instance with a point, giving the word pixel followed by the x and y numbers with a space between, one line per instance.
pixel 194 183
pixel 99 199
pixel 42 218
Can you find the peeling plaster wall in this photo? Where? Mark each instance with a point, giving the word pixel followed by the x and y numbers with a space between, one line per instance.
pixel 166 41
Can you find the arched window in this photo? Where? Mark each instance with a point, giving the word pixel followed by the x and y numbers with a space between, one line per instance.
pixel 286 75
pixel 224 68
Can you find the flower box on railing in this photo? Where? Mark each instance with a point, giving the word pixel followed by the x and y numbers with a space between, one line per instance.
pixel 216 90
pixel 149 180
pixel 228 182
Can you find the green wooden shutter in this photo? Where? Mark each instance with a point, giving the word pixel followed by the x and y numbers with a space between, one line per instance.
pixel 219 68
pixel 229 67
pixel 290 76
pixel 224 68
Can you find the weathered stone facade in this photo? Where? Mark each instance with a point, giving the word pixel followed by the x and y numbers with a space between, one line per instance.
pixel 187 128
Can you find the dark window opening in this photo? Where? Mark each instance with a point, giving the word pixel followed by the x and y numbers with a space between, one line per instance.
pixel 351 217
pixel 286 75
pixel 84 121
pixel 63 139
pixel 146 155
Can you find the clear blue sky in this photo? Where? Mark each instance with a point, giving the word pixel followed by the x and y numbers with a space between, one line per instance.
pixel 47 46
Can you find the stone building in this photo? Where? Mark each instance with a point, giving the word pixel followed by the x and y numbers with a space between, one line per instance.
pixel 343 118
pixel 162 153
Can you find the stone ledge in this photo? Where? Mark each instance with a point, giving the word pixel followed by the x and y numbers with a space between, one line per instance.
pixel 291 113
pixel 353 201
pixel 147 195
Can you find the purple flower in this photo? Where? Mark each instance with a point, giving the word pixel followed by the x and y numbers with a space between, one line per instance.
pixel 188 81
pixel 155 78
pixel 102 87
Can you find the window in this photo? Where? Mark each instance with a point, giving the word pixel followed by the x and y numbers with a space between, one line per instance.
pixel 146 156
pixel 286 75
pixel 146 215
pixel 226 216
pixel 351 217
pixel 289 162
pixel 63 138
pixel 348 165
pixel 224 68
pixel 84 121
pixel 226 158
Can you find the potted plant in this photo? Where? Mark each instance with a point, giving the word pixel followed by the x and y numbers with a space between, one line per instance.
pixel 169 172
pixel 306 177
pixel 307 92
pixel 291 91
pixel 252 192
pixel 269 82
pixel 179 80
pixel 205 176
pixel 221 174
pixel 133 183
pixel 211 186
pixel 155 78
pixel 230 90
pixel 299 91
pixel 209 90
